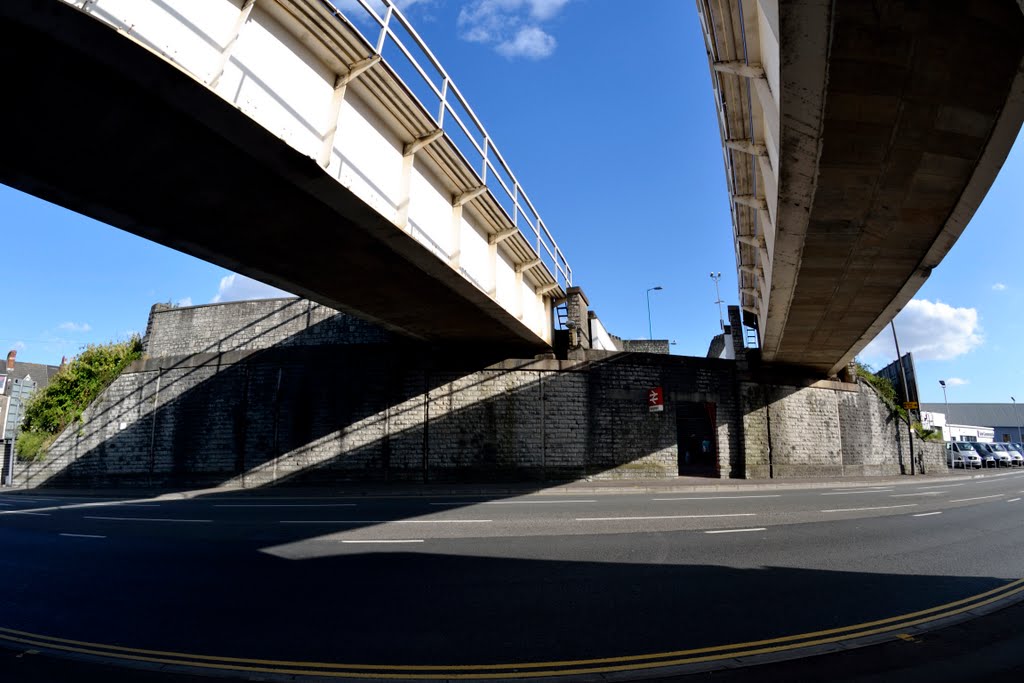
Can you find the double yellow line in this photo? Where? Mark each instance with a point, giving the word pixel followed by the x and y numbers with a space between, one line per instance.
pixel 523 669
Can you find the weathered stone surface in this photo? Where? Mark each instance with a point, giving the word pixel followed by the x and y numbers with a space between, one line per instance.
pixel 285 391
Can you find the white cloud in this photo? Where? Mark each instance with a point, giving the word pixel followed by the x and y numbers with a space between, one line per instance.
pixel 932 330
pixel 531 42
pixel 237 287
pixel 956 381
pixel 19 346
pixel 75 327
pixel 511 26
pixel 185 301
pixel 998 287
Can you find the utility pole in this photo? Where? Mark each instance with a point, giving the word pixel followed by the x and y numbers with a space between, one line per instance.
pixel 906 394
pixel 1016 417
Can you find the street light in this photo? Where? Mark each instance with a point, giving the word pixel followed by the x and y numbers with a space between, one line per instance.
pixel 1017 418
pixel 947 431
pixel 718 300
pixel 650 328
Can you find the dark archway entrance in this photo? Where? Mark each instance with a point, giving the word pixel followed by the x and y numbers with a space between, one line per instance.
pixel 695 429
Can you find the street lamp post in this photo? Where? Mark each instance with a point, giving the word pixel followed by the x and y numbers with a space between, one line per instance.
pixel 1017 419
pixel 946 431
pixel 718 300
pixel 650 327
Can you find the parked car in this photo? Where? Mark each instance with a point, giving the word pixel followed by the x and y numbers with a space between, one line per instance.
pixel 1015 457
pixel 1019 448
pixel 990 457
pixel 962 454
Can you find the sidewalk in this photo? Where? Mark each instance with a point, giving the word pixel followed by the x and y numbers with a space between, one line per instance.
pixel 597 486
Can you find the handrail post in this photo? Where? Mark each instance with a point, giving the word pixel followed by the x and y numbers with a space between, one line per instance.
pixel 384 27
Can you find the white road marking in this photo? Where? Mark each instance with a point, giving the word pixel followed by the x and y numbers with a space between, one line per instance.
pixel 774 495
pixel 24 512
pixel 940 486
pixel 406 540
pixel 287 505
pixel 964 500
pixel 620 519
pixel 734 531
pixel 385 521
pixel 83 536
pixel 1013 500
pixel 925 493
pixel 147 519
pixel 7 505
pixel 511 502
pixel 927 514
pixel 847 493
pixel 883 507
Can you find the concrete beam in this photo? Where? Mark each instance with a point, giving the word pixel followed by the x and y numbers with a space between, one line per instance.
pixel 747 147
pixel 739 68
pixel 468 195
pixel 528 265
pixel 499 237
pixel 422 141
pixel 751 201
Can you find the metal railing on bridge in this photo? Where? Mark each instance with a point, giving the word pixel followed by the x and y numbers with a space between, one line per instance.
pixel 492 170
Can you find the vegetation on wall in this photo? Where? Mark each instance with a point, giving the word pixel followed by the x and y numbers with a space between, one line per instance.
pixel 887 392
pixel 70 392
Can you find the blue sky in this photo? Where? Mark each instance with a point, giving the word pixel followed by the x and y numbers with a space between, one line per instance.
pixel 604 111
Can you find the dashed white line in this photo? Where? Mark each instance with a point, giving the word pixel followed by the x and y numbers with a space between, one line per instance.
pixel 925 493
pixel 964 500
pixel 24 512
pixel 1013 500
pixel 847 493
pixel 927 514
pixel 287 505
pixel 940 486
pixel 511 502
pixel 83 536
pixel 404 540
pixel 385 521
pixel 147 519
pixel 622 519
pixel 734 531
pixel 882 507
pixel 775 495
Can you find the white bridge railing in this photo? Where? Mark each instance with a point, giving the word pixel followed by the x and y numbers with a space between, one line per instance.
pixel 455 118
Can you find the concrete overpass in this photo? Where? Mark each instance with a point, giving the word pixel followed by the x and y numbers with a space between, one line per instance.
pixel 859 139
pixel 275 139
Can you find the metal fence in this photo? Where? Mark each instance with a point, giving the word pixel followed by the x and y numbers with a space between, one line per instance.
pixel 456 119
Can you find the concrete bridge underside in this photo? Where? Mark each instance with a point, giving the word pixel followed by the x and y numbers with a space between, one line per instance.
pixel 103 126
pixel 859 140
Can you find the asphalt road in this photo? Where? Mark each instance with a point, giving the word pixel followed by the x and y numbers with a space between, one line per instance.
pixel 452 580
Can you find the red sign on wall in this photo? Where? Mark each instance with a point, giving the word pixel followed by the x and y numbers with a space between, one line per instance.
pixel 655 400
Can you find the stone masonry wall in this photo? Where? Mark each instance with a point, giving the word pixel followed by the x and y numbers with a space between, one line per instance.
pixel 828 429
pixel 286 391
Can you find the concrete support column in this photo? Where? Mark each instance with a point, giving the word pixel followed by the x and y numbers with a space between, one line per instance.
pixel 579 319
pixel 736 327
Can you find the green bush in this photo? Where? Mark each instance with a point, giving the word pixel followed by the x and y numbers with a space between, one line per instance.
pixel 32 445
pixel 70 392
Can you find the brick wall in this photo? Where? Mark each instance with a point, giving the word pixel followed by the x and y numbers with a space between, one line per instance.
pixel 285 391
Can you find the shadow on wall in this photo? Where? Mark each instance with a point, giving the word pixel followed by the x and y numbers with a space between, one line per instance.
pixel 341 400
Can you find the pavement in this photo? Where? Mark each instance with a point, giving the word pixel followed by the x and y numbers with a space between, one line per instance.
pixel 617 579
pixel 633 485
